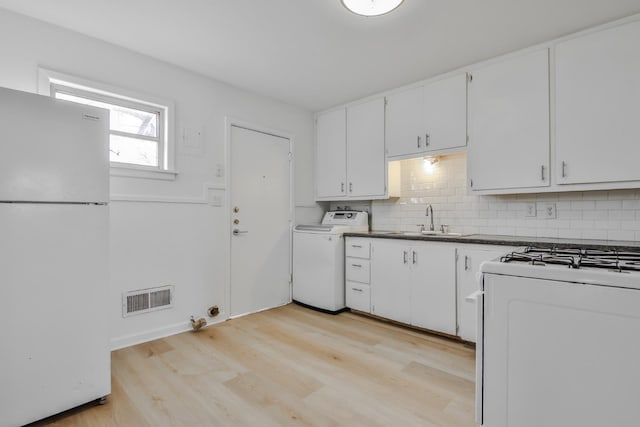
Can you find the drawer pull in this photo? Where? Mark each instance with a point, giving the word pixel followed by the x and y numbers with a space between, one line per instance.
pixel 356 246
pixel 357 289
pixel 356 265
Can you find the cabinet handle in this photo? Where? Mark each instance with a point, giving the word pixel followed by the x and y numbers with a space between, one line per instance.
pixel 342 187
pixel 418 141
pixel 356 265
pixel 405 256
pixel 427 138
pixel 542 172
pixel 356 246
pixel 351 187
pixel 466 263
pixel 356 289
pixel 564 169
pixel 415 257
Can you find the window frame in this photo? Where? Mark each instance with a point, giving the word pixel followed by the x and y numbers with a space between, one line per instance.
pixel 51 82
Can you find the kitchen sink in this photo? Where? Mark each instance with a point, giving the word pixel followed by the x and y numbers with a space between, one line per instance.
pixel 425 233
pixel 440 233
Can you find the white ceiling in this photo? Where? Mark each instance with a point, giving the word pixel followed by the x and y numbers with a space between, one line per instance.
pixel 314 53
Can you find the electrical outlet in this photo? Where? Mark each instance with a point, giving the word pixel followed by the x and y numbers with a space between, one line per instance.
pixel 549 210
pixel 530 209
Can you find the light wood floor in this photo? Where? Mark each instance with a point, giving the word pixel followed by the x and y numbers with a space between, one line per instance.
pixel 289 366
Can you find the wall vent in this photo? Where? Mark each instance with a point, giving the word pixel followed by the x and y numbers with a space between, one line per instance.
pixel 147 300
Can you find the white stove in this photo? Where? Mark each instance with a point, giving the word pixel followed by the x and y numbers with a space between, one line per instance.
pixel 577 265
pixel 558 339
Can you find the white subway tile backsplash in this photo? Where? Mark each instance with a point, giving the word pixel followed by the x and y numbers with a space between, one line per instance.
pixel 613 215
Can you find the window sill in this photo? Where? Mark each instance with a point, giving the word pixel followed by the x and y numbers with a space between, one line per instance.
pixel 133 172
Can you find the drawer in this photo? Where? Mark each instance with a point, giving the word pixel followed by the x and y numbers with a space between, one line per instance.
pixel 357 248
pixel 357 269
pixel 358 296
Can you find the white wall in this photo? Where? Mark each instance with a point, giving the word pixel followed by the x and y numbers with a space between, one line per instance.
pixel 611 215
pixel 169 241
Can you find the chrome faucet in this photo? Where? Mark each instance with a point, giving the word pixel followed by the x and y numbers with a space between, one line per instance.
pixel 429 213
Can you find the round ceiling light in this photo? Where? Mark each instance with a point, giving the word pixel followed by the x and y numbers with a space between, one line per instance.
pixel 371 7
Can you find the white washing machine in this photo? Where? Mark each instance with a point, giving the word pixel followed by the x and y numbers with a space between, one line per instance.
pixel 318 259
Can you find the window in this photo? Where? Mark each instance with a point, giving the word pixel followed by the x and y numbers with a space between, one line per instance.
pixel 139 129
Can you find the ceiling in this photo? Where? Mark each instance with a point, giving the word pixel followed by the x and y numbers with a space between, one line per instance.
pixel 314 53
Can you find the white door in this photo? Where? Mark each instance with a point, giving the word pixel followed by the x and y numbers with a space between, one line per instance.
pixel 260 221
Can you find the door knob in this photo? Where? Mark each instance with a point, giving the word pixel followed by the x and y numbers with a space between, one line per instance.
pixel 237 232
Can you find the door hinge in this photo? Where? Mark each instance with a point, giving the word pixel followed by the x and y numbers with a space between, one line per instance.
pixel 385 101
pixel 470 77
pixel 467 139
pixel 290 156
pixel 290 278
pixel 457 255
pixel 458 330
pixel 471 182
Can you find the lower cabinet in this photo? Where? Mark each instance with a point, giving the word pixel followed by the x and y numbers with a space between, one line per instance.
pixel 414 283
pixel 391 280
pixel 357 274
pixel 469 260
pixel 420 283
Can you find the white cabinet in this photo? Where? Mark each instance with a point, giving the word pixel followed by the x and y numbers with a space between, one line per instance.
pixel 366 161
pixel 433 286
pixel 350 153
pixel 509 124
pixel 404 132
pixel 428 118
pixel 357 274
pixel 597 106
pixel 468 280
pixel 331 154
pixel 391 280
pixel 414 283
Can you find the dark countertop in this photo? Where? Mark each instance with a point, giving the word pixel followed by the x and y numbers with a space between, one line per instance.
pixel 488 239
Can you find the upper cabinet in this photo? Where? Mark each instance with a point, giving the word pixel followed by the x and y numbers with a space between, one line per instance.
pixel 509 124
pixel 427 119
pixel 598 107
pixel 350 153
pixel 331 154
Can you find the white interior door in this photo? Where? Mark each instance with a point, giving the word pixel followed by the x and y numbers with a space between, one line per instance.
pixel 260 221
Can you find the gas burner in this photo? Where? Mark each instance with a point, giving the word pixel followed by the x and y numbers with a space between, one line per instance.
pixel 577 258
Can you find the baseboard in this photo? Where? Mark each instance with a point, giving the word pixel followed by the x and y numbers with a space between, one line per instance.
pixel 154 334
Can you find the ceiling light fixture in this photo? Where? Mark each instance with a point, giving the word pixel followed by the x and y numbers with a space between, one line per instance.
pixel 371 7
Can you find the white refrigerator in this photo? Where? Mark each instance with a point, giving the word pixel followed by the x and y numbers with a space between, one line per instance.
pixel 54 220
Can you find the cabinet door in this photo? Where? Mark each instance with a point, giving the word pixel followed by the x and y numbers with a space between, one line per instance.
pixel 445 113
pixel 509 124
pixel 597 108
pixel 366 161
pixel 390 274
pixel 433 287
pixel 468 281
pixel 404 130
pixel 331 163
